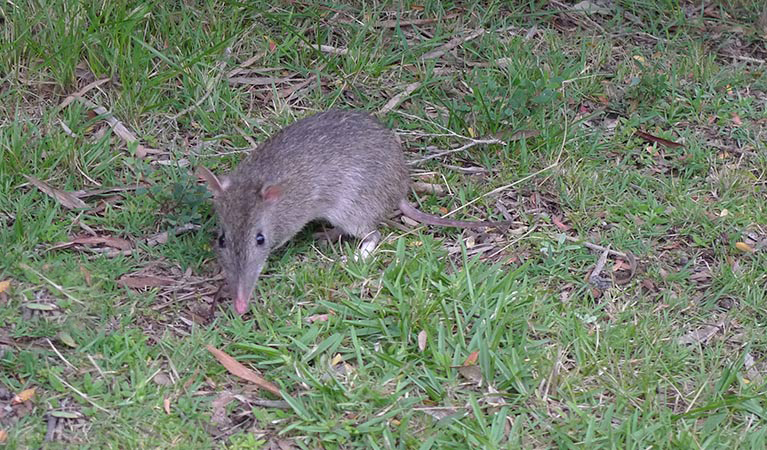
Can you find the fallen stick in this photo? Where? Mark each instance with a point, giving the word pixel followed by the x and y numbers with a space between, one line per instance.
pixel 120 130
pixel 451 44
pixel 397 99
pixel 81 92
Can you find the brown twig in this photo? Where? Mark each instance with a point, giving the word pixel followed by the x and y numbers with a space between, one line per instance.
pixel 238 369
pixel 83 91
pixel 472 143
pixel 248 62
pixel 54 285
pixel 290 90
pixel 250 140
pixel 260 81
pixel 596 247
pixel 451 44
pixel 150 241
pixel 277 404
pixel 393 23
pixel 628 257
pixel 327 49
pixel 120 130
pixel 421 187
pixel 397 99
pixel 51 425
pixel 66 199
pixel 598 267
pixel 569 12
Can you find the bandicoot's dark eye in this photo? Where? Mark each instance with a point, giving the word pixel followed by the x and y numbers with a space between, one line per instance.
pixel 260 239
pixel 222 240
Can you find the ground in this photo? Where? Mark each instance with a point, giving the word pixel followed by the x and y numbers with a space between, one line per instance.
pixel 622 307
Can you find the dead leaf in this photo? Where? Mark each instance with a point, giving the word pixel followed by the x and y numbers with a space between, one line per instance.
pixel 559 224
pixel 742 246
pixel 280 444
pixel 219 415
pixel 162 238
pixel 589 7
pixel 83 91
pixel 399 98
pixel 67 414
pixel 86 275
pixel 701 335
pixel 139 282
pixel 440 412
pixel 405 23
pixel 23 396
pixel 4 285
pixel 66 199
pixel 750 364
pixel 648 285
pixel 317 318
pixel 166 405
pixel 408 221
pixel 472 359
pixel 658 140
pixel 102 204
pixel 338 359
pixel 451 44
pixel 701 277
pixel 40 306
pixel 260 81
pixel 471 373
pixel 117 127
pixel 290 90
pixel 236 368
pixel 3 436
pixel 620 265
pixel 422 340
pixel 109 241
pixel 714 11
pixel 736 120
pixel 421 187
pixel 245 64
pixel 493 398
pixel 504 62
pixel 66 339
pixel 162 379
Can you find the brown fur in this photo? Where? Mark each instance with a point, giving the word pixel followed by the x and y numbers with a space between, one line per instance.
pixel 340 166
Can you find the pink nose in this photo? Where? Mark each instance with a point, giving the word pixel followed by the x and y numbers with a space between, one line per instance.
pixel 240 304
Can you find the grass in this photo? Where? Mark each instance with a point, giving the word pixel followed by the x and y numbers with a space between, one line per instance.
pixel 671 357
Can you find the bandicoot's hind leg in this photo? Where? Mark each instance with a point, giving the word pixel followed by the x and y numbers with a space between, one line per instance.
pixel 331 235
pixel 360 222
pixel 367 245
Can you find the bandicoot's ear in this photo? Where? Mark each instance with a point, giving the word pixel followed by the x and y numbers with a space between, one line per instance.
pixel 216 185
pixel 270 193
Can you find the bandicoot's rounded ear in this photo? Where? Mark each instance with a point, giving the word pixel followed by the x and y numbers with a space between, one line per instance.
pixel 270 193
pixel 216 185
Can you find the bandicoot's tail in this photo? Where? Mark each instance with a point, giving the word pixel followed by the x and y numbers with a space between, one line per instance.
pixel 428 219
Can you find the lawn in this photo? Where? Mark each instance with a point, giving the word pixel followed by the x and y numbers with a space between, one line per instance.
pixel 624 307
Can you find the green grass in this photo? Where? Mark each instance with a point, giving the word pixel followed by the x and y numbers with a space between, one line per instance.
pixel 559 364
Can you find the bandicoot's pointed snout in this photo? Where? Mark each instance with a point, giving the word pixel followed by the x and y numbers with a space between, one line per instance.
pixel 240 305
pixel 241 298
